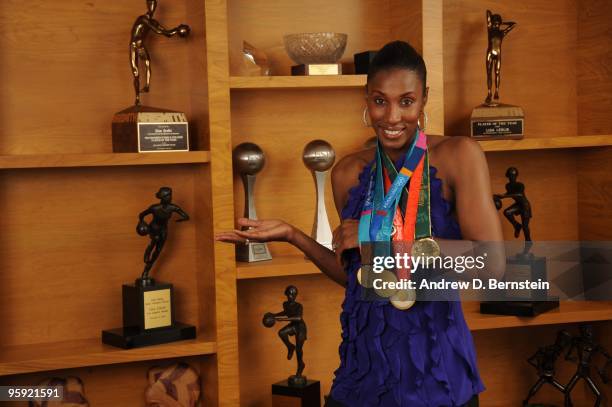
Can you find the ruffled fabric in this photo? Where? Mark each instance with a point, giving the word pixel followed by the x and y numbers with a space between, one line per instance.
pixel 421 357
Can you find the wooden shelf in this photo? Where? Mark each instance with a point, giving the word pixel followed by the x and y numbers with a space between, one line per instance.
pixel 293 82
pixel 90 352
pixel 568 312
pixel 542 143
pixel 101 159
pixel 279 266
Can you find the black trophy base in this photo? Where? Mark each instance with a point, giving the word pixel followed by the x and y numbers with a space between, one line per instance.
pixel 518 308
pixel 285 395
pixel 128 338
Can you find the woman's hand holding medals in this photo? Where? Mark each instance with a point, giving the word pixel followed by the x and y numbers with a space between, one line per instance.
pixel 345 237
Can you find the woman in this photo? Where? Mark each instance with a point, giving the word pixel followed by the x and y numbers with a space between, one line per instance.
pixel 423 356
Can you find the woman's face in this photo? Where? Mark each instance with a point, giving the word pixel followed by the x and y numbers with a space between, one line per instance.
pixel 395 101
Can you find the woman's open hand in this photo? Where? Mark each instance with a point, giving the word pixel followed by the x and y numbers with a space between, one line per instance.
pixel 263 230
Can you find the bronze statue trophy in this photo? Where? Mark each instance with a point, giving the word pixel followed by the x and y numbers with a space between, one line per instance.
pixel 148 312
pixel 144 128
pixel 586 349
pixel 544 361
pixel 492 119
pixel 524 265
pixel 301 391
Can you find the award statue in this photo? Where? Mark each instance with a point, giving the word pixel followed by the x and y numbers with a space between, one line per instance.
pixel 586 349
pixel 248 161
pixel 319 156
pixel 297 386
pixel 524 265
pixel 143 128
pixel 544 361
pixel 492 119
pixel 148 312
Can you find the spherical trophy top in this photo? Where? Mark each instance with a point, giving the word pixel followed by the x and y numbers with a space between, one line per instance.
pixel 248 158
pixel 318 155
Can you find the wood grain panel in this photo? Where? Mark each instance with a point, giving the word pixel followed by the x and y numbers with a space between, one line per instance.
pixel 68 243
pixel 538 69
pixel 65 72
pixel 119 385
pixel 262 354
pixel 594 66
pixel 595 194
pixel 263 24
pixel 282 123
pixel 551 189
pixel 221 202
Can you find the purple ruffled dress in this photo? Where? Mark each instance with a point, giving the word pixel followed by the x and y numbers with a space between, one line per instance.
pixel 423 356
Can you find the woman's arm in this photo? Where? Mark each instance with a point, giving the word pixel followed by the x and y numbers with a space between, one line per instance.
pixel 478 218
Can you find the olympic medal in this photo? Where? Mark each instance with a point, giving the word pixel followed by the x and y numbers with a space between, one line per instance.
pixel 365 276
pixel 427 249
pixel 385 277
pixel 403 299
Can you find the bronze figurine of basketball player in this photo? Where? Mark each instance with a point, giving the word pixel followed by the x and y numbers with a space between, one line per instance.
pixel 497 30
pixel 544 361
pixel 157 229
pixel 140 30
pixel 586 349
pixel 292 312
pixel 521 206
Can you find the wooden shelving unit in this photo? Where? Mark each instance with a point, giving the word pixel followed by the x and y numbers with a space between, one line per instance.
pixel 101 160
pixel 296 82
pixel 90 352
pixel 547 143
pixel 68 234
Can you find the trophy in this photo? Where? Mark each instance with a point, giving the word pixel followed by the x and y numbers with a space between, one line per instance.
pixel 297 386
pixel 146 129
pixel 248 161
pixel 492 119
pixel 524 265
pixel 148 312
pixel 319 156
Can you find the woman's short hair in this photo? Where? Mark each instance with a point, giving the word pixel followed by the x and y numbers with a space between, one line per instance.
pixel 398 54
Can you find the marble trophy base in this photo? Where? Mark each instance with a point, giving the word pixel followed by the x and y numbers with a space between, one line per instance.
pixel 497 122
pixel 286 395
pixel 145 129
pixel 316 70
pixel 518 308
pixel 133 337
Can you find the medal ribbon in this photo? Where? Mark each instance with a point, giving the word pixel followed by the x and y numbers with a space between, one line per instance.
pixel 379 209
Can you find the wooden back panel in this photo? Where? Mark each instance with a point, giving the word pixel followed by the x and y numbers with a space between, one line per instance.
pixel 538 64
pixel 65 70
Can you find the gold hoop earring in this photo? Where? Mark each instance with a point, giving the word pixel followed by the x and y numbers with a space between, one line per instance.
pixel 425 121
pixel 364 117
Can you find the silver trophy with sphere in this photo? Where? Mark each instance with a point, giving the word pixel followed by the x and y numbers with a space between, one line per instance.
pixel 248 160
pixel 319 157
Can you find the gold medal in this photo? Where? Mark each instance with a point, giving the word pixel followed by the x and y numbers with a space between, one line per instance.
pixel 365 275
pixel 403 299
pixel 427 249
pixel 385 277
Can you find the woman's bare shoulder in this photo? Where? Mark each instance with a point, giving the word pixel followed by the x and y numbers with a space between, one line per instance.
pixel 345 174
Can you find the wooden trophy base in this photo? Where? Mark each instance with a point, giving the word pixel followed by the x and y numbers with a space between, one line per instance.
pixel 316 69
pixel 497 122
pixel 285 395
pixel 145 129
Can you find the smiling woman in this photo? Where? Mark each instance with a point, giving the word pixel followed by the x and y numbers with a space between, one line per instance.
pixel 409 188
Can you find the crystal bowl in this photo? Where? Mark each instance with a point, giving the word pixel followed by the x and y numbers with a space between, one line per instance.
pixel 315 48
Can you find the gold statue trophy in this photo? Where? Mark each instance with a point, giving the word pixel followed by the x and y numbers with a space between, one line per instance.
pixel 143 128
pixel 492 119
